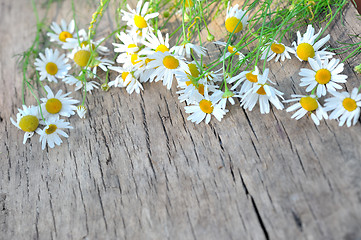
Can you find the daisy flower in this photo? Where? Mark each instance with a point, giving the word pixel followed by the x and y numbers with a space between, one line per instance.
pixel 306 105
pixel 236 19
pixel 155 44
pixel 81 111
pixel 50 134
pixel 186 49
pixel 276 50
pixel 307 47
pixel 249 79
pixel 89 85
pixel 27 119
pixel 344 106
pixel 58 104
pixel 62 32
pixel 223 97
pixel 52 65
pixel 211 77
pixel 141 72
pixel 324 75
pixel 126 79
pixel 166 66
pixel 230 50
pixel 205 107
pixel 102 63
pixel 127 48
pixel 139 18
pixel 263 93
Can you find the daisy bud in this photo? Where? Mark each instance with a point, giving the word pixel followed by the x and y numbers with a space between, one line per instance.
pixel 210 37
pixel 105 87
pixel 81 111
pixel 358 69
pixel 166 14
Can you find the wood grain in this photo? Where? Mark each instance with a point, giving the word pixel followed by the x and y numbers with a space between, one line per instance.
pixel 135 168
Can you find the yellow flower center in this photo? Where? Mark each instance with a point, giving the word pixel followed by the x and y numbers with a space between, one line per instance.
pixel 305 50
pixel 170 62
pixel 261 91
pixel 323 76
pixel 124 75
pixel 188 3
pixel 206 106
pixel 277 48
pixel 51 68
pixel 251 77
pixel 201 89
pixel 163 48
pixel 82 57
pixel 64 35
pixel 134 59
pixel 309 103
pixel 51 129
pixel 193 69
pixel 349 104
pixel 231 50
pixel 29 123
pixel 53 105
pixel 132 45
pixel 85 43
pixel 231 24
pixel 140 21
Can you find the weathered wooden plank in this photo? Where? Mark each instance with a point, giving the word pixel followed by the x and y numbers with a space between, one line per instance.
pixel 136 168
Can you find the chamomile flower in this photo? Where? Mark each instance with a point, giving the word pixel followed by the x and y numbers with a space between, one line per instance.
pixel 127 48
pixel 306 105
pixel 204 108
pixel 307 47
pixel 89 85
pixel 27 119
pixel 236 19
pixel 139 18
pixel 81 111
pixel 211 77
pixel 323 76
pixel 126 79
pixel 223 97
pixel 50 133
pixel 52 65
pixel 276 50
pixel 83 40
pixel 166 65
pixel 186 49
pixel 141 71
pixel 82 56
pixel 345 107
pixel 62 32
pixel 101 63
pixel 263 93
pixel 155 44
pixel 230 50
pixel 58 104
pixel 249 79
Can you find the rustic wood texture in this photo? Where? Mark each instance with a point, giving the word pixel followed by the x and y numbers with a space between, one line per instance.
pixel 135 168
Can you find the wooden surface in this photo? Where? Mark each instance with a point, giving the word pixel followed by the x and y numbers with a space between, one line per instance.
pixel 135 168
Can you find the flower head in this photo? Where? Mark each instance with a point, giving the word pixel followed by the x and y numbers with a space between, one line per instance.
pixel 307 105
pixel 52 65
pixel 50 134
pixel 325 75
pixel 63 32
pixel 344 106
pixel 307 47
pixel 27 120
pixel 236 19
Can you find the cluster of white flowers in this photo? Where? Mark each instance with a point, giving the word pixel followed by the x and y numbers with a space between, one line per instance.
pixel 53 66
pixel 145 55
